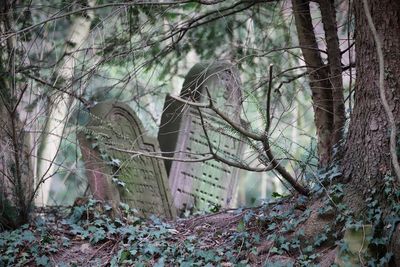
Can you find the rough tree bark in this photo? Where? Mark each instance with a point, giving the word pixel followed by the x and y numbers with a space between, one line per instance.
pixel 366 155
pixel 367 159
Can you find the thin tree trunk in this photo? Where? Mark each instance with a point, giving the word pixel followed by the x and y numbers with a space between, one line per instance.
pixel 16 187
pixel 328 14
pixel 319 82
pixel 60 104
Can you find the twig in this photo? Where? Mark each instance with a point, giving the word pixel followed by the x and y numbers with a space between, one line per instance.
pixel 385 103
pixel 274 164
pixel 85 102
pixel 257 137
pixel 85 9
pixel 138 153
pixel 234 125
pixel 224 160
pixel 349 46
pixel 269 99
pixel 97 250
pixel 282 171
pixel 191 103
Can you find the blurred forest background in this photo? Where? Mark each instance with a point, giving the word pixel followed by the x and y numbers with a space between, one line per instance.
pixel 69 55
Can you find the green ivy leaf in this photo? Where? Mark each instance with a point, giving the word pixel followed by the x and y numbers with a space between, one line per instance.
pixel 151 249
pixel 124 256
pixel 42 261
pixel 28 236
pixel 241 227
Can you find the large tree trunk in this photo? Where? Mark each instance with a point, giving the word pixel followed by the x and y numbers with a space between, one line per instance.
pixel 367 159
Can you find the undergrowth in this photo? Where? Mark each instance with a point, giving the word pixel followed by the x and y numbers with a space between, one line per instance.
pixel 269 235
pixel 155 242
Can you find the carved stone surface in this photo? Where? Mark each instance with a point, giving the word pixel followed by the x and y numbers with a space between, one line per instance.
pixel 210 183
pixel 141 181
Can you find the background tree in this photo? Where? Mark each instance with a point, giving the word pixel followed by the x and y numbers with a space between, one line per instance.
pixel 325 78
pixel 16 184
pixel 61 103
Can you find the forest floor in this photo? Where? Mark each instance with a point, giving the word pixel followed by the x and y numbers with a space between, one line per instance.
pixel 85 235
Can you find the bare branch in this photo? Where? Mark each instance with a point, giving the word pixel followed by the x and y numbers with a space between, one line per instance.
pixel 85 102
pixel 235 126
pixel 191 103
pixel 298 76
pixel 348 48
pixel 274 164
pixel 242 166
pixel 224 160
pixel 268 124
pixel 222 115
pixel 139 3
pixel 157 156
pixel 207 157
pixel 282 171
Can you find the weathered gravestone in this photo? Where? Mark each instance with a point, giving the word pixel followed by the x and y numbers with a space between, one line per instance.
pixel 137 180
pixel 202 184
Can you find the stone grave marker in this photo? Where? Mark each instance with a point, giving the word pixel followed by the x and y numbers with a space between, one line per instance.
pixel 137 180
pixel 201 185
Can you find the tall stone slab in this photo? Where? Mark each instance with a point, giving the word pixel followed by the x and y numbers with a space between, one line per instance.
pixel 113 174
pixel 201 185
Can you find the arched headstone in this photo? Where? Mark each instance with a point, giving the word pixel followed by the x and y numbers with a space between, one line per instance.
pixel 210 183
pixel 137 180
